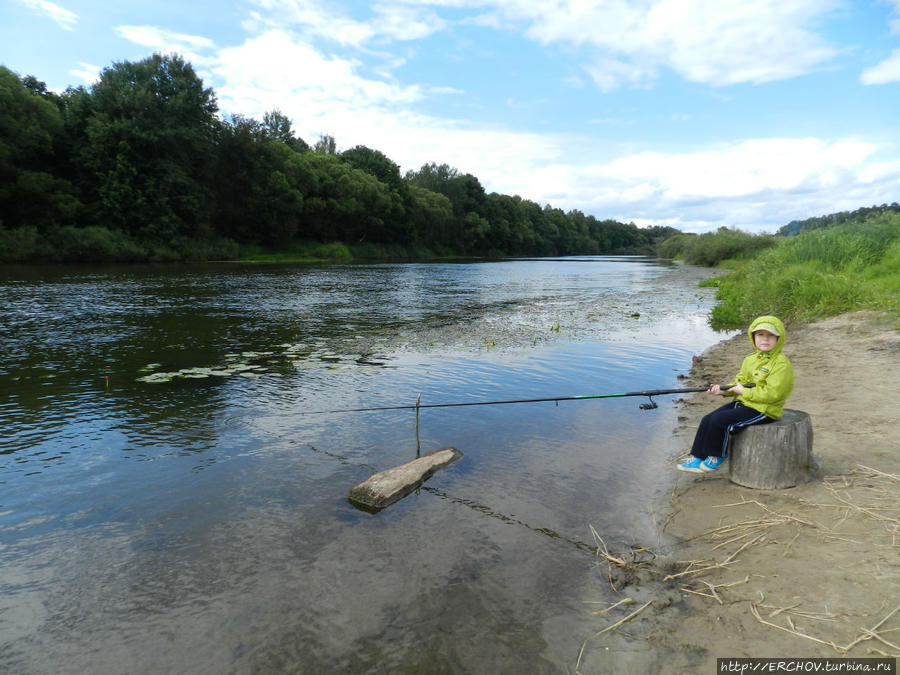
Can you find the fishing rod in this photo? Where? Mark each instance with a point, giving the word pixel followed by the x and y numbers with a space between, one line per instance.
pixel 643 406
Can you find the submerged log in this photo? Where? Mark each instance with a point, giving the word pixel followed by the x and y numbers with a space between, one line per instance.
pixel 775 455
pixel 387 487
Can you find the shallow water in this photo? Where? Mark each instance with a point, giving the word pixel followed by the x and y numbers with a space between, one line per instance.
pixel 200 523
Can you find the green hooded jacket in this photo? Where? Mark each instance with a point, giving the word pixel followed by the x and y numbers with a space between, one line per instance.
pixel 771 372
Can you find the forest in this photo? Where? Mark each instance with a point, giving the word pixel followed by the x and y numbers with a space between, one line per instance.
pixel 140 167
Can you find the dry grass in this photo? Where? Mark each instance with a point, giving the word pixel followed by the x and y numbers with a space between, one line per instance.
pixel 861 508
pixel 863 635
pixel 871 498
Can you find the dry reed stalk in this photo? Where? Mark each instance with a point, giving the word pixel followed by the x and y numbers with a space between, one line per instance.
pixel 617 624
pixel 623 601
pixel 779 516
pixel 603 552
pixel 791 609
pixel 712 589
pixel 863 635
pixel 691 570
pixel 872 634
pixel 759 538
pixel 732 540
pixel 744 529
pixel 755 612
pixel 669 520
pixel 699 570
pixel 788 547
pixel 866 511
pixel 890 476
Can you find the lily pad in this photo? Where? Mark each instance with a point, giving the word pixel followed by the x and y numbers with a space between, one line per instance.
pixel 157 378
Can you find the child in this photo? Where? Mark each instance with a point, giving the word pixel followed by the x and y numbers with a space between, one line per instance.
pixel 772 378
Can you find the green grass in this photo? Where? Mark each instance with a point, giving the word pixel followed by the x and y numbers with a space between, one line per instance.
pixel 815 274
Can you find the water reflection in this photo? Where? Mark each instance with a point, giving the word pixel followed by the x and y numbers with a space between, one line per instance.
pixel 201 524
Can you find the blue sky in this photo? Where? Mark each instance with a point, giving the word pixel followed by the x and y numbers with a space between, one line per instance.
pixel 689 113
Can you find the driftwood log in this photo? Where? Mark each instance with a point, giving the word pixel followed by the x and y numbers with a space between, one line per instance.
pixel 775 455
pixel 387 487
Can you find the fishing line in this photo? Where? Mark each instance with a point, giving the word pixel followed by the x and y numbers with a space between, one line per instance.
pixel 480 508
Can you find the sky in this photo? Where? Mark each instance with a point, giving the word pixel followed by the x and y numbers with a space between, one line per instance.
pixel 695 114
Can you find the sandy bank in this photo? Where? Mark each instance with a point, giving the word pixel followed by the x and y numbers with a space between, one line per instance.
pixel 811 571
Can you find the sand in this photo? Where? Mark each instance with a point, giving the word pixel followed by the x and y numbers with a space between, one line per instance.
pixel 810 571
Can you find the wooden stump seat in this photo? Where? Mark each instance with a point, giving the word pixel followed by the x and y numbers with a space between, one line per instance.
pixel 775 455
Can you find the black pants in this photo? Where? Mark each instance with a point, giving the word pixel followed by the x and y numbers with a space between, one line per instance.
pixel 712 435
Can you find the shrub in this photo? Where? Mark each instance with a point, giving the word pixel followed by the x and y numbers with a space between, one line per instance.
pixel 19 244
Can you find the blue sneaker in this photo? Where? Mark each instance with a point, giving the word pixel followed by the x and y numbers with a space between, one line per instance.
pixel 692 465
pixel 711 463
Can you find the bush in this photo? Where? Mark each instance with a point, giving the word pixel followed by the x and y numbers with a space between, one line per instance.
pixel 335 251
pixel 712 248
pixel 675 246
pixel 19 244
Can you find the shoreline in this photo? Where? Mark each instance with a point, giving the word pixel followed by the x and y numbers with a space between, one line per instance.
pixel 812 570
pixel 809 571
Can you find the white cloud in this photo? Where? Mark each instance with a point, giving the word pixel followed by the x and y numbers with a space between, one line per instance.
pixel 273 69
pixel 717 42
pixel 755 183
pixel 894 23
pixel 87 72
pixel 888 70
pixel 622 42
pixel 64 18
pixel 608 74
pixel 327 95
pixel 166 41
pixel 885 72
pixel 316 18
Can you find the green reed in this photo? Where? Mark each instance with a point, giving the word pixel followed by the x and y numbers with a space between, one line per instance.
pixel 815 274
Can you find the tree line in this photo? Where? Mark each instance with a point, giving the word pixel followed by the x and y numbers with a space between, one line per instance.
pixel 818 222
pixel 139 166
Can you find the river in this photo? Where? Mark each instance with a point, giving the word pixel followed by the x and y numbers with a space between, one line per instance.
pixel 168 504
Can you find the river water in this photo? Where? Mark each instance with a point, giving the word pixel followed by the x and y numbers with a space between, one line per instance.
pixel 168 504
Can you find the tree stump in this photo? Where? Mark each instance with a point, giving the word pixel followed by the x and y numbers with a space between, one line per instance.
pixel 774 455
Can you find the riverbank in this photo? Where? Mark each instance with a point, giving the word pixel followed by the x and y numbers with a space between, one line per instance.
pixel 813 570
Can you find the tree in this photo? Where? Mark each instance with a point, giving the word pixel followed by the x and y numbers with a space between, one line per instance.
pixel 375 163
pixel 32 191
pixel 149 142
pixel 276 126
pixel 432 177
pixel 326 145
pixel 430 216
pixel 348 204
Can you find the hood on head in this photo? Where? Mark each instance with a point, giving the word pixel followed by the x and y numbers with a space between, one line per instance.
pixel 779 328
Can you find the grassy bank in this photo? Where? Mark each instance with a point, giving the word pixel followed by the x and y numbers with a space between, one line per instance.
pixel 824 272
pixel 104 245
pixel 336 252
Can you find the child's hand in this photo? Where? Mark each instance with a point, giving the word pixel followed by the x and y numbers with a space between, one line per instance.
pixel 716 390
